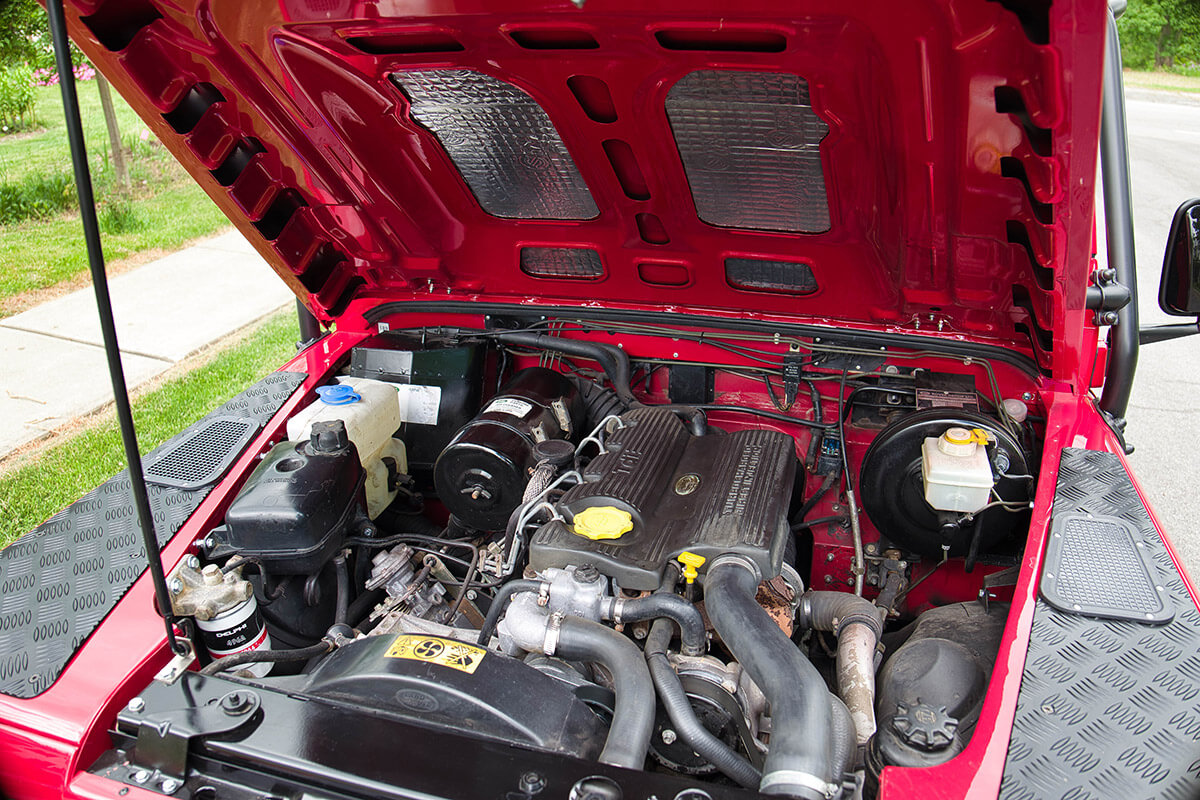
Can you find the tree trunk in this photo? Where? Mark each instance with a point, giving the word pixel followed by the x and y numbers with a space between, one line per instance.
pixel 120 165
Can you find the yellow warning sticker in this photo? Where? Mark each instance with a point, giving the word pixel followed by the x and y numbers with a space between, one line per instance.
pixel 435 650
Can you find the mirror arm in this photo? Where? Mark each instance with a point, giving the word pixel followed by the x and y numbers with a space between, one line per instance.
pixel 1164 333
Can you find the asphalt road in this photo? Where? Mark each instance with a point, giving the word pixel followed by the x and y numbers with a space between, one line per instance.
pixel 1164 413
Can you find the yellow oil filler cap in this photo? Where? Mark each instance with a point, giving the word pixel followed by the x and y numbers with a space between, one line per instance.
pixel 603 522
pixel 690 562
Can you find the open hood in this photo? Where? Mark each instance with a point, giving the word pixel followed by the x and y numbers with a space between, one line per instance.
pixel 917 167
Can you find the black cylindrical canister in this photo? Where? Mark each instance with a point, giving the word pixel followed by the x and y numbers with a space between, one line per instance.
pixel 482 473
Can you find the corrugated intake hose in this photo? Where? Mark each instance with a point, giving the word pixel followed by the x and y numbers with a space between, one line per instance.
pixel 633 716
pixel 670 606
pixel 800 761
pixel 858 624
pixel 683 716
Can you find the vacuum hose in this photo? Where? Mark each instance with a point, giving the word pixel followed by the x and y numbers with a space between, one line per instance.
pixel 683 716
pixel 801 759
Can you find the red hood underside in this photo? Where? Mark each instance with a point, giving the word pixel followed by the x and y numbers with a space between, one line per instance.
pixel 922 166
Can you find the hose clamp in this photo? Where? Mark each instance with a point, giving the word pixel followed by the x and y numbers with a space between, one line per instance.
pixel 618 606
pixel 733 559
pixel 791 777
pixel 553 631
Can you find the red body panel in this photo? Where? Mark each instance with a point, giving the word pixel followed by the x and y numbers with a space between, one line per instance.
pixel 951 217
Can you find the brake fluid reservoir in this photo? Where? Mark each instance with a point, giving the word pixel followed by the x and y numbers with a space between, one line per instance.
pixel 370 411
pixel 956 470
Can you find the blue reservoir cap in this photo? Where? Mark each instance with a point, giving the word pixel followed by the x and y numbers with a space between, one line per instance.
pixel 338 395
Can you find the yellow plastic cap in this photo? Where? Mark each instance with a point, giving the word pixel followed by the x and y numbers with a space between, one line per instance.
pixel 690 562
pixel 603 522
pixel 964 436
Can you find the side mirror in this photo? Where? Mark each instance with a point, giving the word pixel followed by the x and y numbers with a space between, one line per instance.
pixel 1179 288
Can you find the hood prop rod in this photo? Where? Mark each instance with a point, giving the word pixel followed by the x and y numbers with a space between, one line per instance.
pixel 91 235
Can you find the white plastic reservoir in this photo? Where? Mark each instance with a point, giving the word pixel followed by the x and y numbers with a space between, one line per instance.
pixel 956 471
pixel 371 412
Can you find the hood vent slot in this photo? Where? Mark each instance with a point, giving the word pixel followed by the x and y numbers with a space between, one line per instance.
pixel 727 40
pixel 553 38
pixel 761 275
pixel 576 263
pixel 402 44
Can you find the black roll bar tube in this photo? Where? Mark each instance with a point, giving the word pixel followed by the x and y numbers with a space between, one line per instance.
pixel 91 236
pixel 1118 229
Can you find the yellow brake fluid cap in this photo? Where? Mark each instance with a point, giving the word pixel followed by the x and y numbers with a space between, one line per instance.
pixel 603 522
pixel 690 562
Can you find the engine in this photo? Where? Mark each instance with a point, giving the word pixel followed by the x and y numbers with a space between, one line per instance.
pixel 691 572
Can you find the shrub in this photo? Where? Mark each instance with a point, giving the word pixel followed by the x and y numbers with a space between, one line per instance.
pixel 119 215
pixel 16 97
pixel 36 196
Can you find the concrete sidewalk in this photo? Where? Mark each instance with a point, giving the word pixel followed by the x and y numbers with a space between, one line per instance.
pixel 54 368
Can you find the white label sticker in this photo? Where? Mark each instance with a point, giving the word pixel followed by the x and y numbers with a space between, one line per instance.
pixel 419 404
pixel 509 405
pixel 564 418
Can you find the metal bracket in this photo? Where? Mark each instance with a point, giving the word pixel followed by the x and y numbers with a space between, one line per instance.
pixel 178 664
pixel 163 736
pixel 993 580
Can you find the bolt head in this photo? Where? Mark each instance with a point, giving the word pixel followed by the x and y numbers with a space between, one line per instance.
pixel 141 776
pixel 828 579
pixel 170 785
pixel 176 586
pixel 531 782
pixel 668 736
pixel 137 705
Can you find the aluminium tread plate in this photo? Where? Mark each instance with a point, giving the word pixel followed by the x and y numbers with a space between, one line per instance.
pixel 1108 708
pixel 58 581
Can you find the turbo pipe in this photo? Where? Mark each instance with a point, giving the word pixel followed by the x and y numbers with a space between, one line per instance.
pixel 800 761
pixel 613 360
pixel 857 624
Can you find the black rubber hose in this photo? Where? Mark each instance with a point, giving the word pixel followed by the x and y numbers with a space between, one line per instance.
pixel 683 717
pixel 800 761
pixel 833 611
pixel 669 606
pixel 342 601
pixel 266 656
pixel 613 360
pixel 845 745
pixel 499 601
pixel 633 715
pixel 811 502
pixel 693 416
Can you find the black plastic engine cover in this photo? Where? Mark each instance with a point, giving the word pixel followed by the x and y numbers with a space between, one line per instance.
pixel 709 495
pixel 443 682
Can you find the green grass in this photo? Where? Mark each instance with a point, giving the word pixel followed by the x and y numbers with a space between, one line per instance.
pixel 65 471
pixel 45 151
pixel 164 210
pixel 1182 81
pixel 38 253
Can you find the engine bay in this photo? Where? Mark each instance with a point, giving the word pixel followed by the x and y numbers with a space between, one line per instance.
pixel 778 562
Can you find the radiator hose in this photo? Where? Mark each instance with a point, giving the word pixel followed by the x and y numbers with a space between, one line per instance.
pixel 633 716
pixel 800 762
